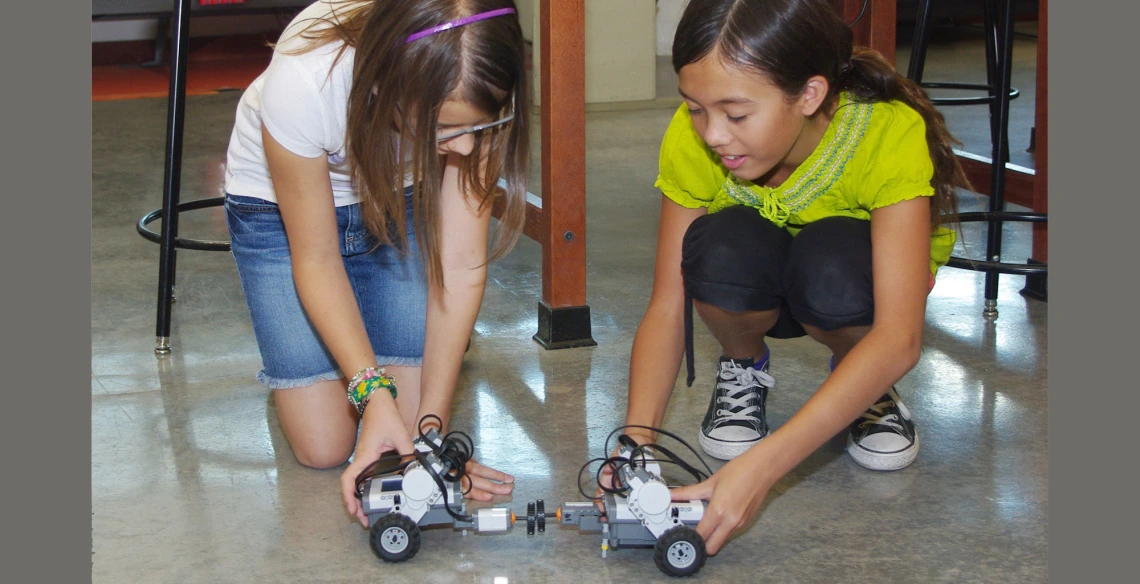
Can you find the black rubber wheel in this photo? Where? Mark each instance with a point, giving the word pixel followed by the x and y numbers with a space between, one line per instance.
pixel 680 551
pixel 395 538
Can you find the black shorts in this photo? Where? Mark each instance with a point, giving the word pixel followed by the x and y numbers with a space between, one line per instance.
pixel 739 261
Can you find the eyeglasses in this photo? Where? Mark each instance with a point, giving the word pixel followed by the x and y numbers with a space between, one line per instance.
pixel 476 129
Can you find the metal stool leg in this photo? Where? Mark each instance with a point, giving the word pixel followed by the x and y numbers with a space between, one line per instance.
pixel 989 31
pixel 1000 153
pixel 172 175
pixel 918 45
pixel 993 34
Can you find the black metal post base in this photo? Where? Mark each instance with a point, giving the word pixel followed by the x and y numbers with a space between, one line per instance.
pixel 1036 285
pixel 564 328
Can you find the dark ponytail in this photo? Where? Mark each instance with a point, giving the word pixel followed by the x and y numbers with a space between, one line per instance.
pixel 791 41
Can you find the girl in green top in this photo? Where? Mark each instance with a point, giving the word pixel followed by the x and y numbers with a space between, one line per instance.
pixel 806 191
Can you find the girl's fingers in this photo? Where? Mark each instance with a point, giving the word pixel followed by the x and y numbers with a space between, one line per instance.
pixel 720 535
pixel 481 484
pixel 348 491
pixel 702 490
pixel 476 469
pixel 474 492
pixel 483 496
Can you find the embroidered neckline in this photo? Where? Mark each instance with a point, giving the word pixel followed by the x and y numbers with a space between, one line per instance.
pixel 815 175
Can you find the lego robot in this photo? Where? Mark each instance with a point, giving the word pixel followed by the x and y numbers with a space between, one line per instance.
pixel 428 493
pixel 645 516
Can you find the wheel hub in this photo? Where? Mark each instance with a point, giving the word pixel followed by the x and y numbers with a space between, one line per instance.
pixel 682 554
pixel 394 540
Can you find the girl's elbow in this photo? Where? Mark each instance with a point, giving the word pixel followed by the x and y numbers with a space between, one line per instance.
pixel 913 358
pixel 904 346
pixel 910 350
pixel 466 276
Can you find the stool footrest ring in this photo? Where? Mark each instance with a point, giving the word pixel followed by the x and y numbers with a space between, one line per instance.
pixel 1000 267
pixel 1014 93
pixel 182 242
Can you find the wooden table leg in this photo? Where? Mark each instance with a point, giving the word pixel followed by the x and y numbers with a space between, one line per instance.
pixel 563 316
pixel 1036 285
pixel 1041 121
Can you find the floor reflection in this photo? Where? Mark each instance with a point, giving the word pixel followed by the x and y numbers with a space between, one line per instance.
pixel 502 443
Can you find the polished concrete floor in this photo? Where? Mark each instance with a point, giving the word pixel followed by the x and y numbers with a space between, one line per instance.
pixel 192 480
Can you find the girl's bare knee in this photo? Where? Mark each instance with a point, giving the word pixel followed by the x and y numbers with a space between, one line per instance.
pixel 322 456
pixel 839 340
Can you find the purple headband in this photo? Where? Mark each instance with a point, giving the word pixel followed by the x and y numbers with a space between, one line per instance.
pixel 460 22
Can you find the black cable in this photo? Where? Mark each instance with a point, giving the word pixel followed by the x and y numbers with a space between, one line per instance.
pixel 420 429
pixel 860 17
pixel 372 471
pixel 454 451
pixel 618 463
pixel 701 476
pixel 663 432
pixel 638 456
pixel 439 482
pixel 584 467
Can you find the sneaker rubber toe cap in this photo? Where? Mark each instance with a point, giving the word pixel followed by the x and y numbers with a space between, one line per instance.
pixel 734 434
pixel 884 443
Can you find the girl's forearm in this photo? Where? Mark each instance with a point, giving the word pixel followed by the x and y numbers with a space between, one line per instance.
pixel 660 338
pixel 451 318
pixel 654 363
pixel 330 303
pixel 375 424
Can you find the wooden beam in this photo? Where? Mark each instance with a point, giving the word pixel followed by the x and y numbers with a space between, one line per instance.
pixel 877 27
pixel 1041 140
pixel 532 228
pixel 1018 179
pixel 563 214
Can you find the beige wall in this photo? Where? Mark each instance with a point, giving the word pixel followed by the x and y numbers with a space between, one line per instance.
pixel 621 48
pixel 528 17
pixel 668 15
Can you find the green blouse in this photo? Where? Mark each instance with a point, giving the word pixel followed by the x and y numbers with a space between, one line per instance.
pixel 872 155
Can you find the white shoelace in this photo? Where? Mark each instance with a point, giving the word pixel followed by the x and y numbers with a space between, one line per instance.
pixel 874 414
pixel 741 385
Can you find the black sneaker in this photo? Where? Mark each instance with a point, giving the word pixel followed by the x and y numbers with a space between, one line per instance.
pixel 884 438
pixel 735 418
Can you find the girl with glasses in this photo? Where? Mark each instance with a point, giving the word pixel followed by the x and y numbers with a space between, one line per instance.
pixel 360 177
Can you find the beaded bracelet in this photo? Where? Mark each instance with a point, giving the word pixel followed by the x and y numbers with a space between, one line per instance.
pixel 365 382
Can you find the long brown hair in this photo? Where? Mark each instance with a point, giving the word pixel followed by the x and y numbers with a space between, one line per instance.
pixel 393 105
pixel 791 41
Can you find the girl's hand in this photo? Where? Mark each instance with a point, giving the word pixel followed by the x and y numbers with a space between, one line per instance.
pixel 734 494
pixel 486 482
pixel 387 433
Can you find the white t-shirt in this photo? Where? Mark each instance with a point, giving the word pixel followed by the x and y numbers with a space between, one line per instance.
pixel 303 107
